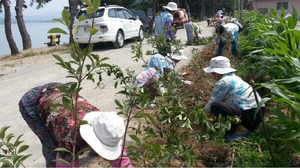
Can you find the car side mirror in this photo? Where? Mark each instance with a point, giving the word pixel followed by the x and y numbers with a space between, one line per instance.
pixel 137 17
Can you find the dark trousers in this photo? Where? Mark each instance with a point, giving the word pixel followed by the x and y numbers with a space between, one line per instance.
pixel 233 45
pixel 151 88
pixel 38 127
pixel 248 117
pixel 208 22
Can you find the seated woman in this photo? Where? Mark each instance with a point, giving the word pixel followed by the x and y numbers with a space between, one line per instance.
pixel 232 96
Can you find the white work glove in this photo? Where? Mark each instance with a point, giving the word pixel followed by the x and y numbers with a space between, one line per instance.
pixel 215 41
pixel 224 39
pixel 185 74
pixel 188 83
pixel 162 90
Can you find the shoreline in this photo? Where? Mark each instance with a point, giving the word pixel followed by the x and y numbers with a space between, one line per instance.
pixel 34 51
pixel 38 32
pixel 22 72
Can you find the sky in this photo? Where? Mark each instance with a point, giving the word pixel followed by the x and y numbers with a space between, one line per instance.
pixel 53 6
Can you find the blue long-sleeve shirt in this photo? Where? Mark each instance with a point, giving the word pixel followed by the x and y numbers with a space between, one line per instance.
pixel 163 24
pixel 233 90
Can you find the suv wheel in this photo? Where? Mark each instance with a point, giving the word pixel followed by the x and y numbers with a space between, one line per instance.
pixel 141 34
pixel 119 40
pixel 82 46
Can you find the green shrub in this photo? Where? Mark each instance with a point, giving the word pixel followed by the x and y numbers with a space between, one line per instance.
pixel 11 149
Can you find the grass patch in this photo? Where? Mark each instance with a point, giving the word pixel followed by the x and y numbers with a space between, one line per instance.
pixel 8 65
pixel 2 75
pixel 201 41
pixel 254 152
pixel 147 35
pixel 41 51
pixel 59 49
pixel 29 53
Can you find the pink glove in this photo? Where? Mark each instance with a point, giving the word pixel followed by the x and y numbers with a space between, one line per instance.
pixel 61 164
pixel 124 163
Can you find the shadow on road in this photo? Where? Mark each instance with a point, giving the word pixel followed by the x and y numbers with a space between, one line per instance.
pixel 109 45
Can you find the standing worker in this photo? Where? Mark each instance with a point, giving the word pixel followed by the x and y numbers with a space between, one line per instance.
pixel 163 26
pixel 219 17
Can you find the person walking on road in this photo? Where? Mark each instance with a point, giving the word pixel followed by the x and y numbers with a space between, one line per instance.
pixel 219 18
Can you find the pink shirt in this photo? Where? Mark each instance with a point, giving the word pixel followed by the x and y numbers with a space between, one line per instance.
pixel 149 74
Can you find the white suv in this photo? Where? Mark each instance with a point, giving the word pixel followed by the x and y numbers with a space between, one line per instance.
pixel 115 24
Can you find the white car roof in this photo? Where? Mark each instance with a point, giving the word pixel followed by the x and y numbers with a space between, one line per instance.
pixel 107 6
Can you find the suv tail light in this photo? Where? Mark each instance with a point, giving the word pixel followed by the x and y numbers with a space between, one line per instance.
pixel 103 28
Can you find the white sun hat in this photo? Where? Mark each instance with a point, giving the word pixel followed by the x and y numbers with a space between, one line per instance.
pixel 172 6
pixel 104 133
pixel 178 55
pixel 219 65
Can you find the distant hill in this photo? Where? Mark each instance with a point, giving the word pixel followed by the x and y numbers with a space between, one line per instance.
pixel 34 18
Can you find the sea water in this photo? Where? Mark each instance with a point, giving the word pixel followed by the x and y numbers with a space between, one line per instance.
pixel 38 34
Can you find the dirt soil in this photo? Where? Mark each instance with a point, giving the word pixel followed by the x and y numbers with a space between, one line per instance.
pixel 201 89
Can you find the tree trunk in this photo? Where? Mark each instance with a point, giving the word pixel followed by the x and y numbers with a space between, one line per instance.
pixel 26 41
pixel 213 8
pixel 202 15
pixel 153 16
pixel 242 7
pixel 7 24
pixel 73 4
pixel 234 8
pixel 188 10
pixel 239 8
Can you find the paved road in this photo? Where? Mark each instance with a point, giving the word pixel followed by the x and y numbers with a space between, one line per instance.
pixel 23 74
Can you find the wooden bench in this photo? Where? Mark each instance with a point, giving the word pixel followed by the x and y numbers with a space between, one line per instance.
pixel 53 41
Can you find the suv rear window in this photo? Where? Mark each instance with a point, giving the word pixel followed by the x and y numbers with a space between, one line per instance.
pixel 112 13
pixel 99 13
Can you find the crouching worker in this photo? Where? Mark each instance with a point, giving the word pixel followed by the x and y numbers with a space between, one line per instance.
pixel 55 127
pixel 157 67
pixel 235 21
pixel 193 32
pixel 225 33
pixel 232 96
